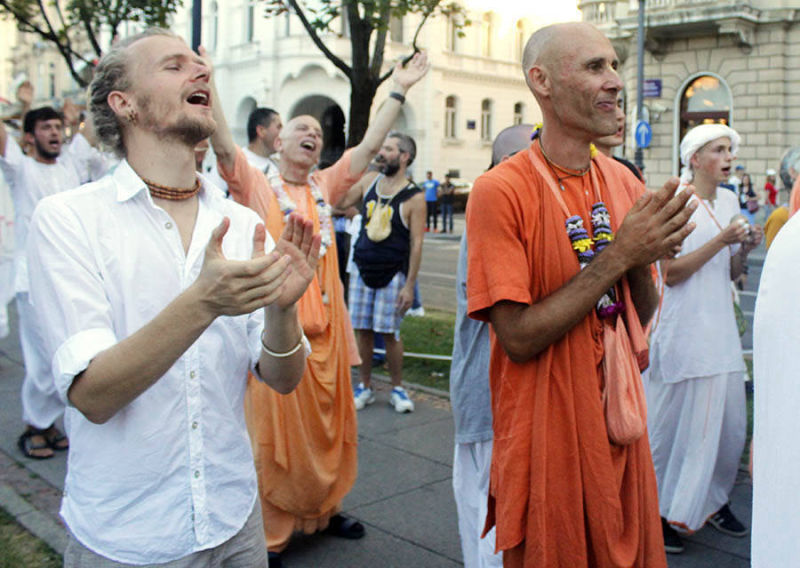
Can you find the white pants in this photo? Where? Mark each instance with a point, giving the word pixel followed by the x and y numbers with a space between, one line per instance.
pixel 697 430
pixel 41 405
pixel 471 465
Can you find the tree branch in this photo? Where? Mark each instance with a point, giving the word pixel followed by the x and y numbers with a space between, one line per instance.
pixel 384 15
pixel 332 57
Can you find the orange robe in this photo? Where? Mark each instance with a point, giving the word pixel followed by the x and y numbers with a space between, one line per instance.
pixel 304 443
pixel 561 495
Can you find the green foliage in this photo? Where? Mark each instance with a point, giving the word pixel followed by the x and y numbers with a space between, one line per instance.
pixel 76 26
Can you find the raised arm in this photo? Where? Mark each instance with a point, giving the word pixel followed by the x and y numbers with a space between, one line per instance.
pixel 25 98
pixel 403 78
pixel 222 139
pixel 355 194
pixel 653 227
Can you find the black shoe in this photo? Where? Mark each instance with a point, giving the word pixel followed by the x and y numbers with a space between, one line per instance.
pixel 725 522
pixel 672 542
pixel 275 559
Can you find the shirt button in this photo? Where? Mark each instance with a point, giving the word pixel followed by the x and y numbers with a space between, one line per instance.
pixel 192 374
pixel 194 425
pixel 196 474
pixel 167 225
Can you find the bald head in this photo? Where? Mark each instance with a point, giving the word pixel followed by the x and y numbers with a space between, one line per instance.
pixel 550 44
pixel 510 141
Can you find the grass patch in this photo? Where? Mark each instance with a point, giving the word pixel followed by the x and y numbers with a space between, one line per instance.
pixel 432 333
pixel 19 548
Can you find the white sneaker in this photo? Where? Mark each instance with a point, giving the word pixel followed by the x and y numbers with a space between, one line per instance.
pixel 400 401
pixel 363 396
pixel 416 312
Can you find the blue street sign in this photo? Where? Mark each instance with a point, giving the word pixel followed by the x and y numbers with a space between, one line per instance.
pixel 643 134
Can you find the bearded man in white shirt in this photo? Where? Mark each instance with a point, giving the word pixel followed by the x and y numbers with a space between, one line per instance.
pixel 157 295
pixel 51 167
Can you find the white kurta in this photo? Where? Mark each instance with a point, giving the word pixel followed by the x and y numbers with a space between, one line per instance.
pixel 776 447
pixel 695 385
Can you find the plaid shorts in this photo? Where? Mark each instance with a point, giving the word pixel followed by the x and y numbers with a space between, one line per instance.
pixel 375 309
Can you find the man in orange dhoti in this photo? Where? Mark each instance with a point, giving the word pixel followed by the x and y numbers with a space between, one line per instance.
pixel 561 493
pixel 305 444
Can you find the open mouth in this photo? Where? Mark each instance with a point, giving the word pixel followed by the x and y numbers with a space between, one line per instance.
pixel 201 98
pixel 308 145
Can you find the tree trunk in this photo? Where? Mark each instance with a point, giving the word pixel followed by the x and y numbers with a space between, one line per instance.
pixel 362 93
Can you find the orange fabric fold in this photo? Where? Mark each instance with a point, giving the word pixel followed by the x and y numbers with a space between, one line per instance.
pixel 561 495
pixel 305 442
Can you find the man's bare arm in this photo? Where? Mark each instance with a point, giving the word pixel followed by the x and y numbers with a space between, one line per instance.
pixel 403 78
pixel 355 194
pixel 653 227
pixel 416 224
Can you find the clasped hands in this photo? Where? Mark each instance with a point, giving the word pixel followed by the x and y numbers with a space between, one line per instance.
pixel 656 225
pixel 278 278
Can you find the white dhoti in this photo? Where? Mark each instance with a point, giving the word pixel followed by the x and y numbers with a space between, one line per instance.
pixel 697 429
pixel 41 405
pixel 471 464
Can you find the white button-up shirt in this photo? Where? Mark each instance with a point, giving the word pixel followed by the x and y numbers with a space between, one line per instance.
pixel 171 473
pixel 30 181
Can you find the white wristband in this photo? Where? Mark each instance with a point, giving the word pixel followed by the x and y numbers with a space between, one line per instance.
pixel 289 353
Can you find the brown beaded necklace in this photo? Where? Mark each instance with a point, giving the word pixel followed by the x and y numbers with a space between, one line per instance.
pixel 172 193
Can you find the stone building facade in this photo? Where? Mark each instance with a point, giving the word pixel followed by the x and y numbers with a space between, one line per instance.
pixel 475 87
pixel 729 62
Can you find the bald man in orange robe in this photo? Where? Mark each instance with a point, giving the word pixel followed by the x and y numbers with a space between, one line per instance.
pixel 561 493
pixel 305 444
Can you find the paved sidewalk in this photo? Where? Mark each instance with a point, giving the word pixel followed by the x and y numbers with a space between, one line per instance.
pixel 403 494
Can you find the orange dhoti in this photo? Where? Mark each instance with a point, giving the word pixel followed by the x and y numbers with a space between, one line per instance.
pixel 304 443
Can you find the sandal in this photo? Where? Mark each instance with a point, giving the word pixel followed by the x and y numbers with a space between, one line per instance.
pixel 56 439
pixel 28 447
pixel 345 527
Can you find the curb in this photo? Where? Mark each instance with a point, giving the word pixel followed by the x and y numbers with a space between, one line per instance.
pixel 38 523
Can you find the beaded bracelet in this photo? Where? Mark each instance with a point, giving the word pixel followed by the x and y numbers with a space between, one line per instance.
pixel 289 353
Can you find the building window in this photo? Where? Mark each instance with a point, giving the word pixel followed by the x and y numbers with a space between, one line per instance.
pixel 51 79
pixel 519 113
pixel 249 20
pixel 450 117
pixel 486 35
pixel 519 40
pixel 452 38
pixel 213 26
pixel 396 29
pixel 486 120
pixel 706 100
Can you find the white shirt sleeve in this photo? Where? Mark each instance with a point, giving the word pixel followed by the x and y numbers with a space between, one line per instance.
pixel 11 162
pixel 67 292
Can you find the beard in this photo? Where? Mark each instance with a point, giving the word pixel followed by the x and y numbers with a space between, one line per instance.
pixel 186 130
pixel 388 168
pixel 44 152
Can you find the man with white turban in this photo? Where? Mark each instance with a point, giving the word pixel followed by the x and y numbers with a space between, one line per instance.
pixel 695 384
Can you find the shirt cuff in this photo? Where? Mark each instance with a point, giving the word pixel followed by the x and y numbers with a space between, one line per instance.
pixel 75 354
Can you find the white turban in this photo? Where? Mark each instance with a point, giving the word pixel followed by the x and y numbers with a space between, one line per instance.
pixel 698 137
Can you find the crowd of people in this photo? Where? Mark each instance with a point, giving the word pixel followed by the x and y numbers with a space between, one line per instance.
pixel 198 332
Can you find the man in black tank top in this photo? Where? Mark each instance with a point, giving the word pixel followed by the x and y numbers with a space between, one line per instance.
pixel 387 253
